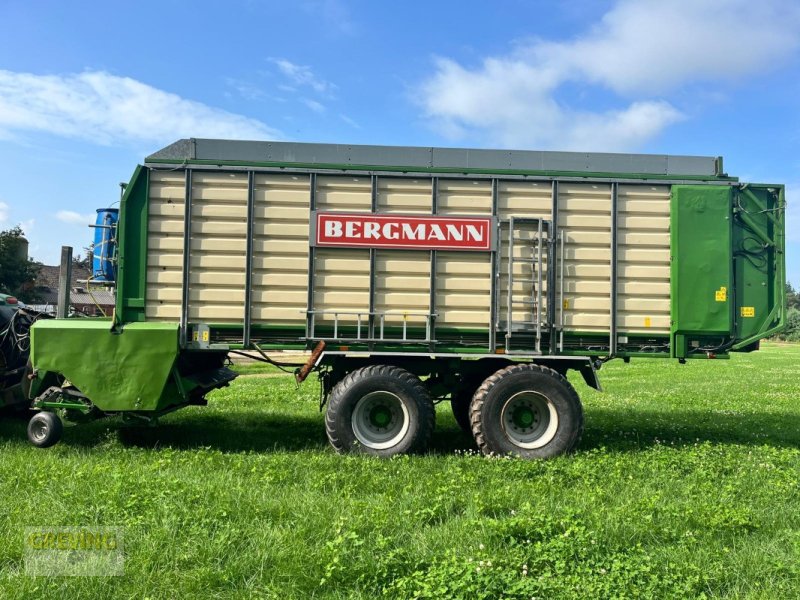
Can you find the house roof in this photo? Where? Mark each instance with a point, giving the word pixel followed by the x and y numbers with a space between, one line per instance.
pixel 48 276
pixel 46 284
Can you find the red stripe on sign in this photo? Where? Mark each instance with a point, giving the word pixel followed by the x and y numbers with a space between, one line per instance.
pixel 350 230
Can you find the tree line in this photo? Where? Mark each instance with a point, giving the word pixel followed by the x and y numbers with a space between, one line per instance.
pixel 18 271
pixel 792 332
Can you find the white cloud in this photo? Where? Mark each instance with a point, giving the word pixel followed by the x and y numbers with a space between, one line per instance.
pixel 317 107
pixel 512 104
pixel 334 13
pixel 74 218
pixel 5 219
pixel 246 90
pixel 349 121
pixel 653 46
pixel 6 222
pixel 27 226
pixel 107 109
pixel 638 49
pixel 301 75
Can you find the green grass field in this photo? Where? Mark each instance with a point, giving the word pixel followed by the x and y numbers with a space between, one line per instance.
pixel 685 484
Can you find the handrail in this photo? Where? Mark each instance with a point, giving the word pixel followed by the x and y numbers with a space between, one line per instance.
pixel 360 314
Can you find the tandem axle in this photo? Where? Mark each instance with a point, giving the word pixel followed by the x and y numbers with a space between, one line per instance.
pixel 377 403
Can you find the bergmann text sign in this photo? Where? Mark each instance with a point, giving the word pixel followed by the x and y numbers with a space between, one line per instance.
pixel 409 232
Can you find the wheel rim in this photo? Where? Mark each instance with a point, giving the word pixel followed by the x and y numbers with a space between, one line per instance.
pixel 529 420
pixel 39 430
pixel 380 420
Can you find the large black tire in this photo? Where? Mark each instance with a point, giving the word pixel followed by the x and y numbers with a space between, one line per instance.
pixel 44 429
pixel 380 410
pixel 460 403
pixel 474 374
pixel 527 410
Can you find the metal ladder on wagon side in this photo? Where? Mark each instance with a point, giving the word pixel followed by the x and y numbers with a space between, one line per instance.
pixel 530 303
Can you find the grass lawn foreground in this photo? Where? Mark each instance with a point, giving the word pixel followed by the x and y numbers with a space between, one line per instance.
pixel 685 484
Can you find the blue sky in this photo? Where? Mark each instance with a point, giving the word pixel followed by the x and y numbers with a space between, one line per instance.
pixel 87 89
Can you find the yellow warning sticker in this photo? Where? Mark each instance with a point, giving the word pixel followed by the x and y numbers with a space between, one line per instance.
pixel 566 303
pixel 721 295
pixel 647 321
pixel 748 311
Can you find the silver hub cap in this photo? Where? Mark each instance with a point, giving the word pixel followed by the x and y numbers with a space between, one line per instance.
pixel 380 420
pixel 39 430
pixel 529 420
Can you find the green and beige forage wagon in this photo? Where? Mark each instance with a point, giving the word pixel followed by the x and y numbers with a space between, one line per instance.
pixel 416 275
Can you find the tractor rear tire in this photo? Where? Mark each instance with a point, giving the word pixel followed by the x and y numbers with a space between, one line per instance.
pixel 380 410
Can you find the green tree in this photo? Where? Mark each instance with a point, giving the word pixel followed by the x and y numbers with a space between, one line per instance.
pixel 792 297
pixel 792 331
pixel 17 271
pixel 83 260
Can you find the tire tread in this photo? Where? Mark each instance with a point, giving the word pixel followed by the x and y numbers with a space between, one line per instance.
pixel 337 397
pixel 479 399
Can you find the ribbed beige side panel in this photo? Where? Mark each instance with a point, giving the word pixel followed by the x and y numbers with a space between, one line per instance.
pixel 463 289
pixel 341 284
pixel 463 279
pixel 341 281
pixel 402 285
pixel 280 249
pixel 584 215
pixel 465 197
pixel 524 199
pixel 165 246
pixel 218 247
pixel 643 254
pixel 344 193
pixel 529 200
pixel 406 196
pixel 402 277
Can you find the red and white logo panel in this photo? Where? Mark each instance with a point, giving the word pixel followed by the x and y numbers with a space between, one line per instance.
pixel 409 232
